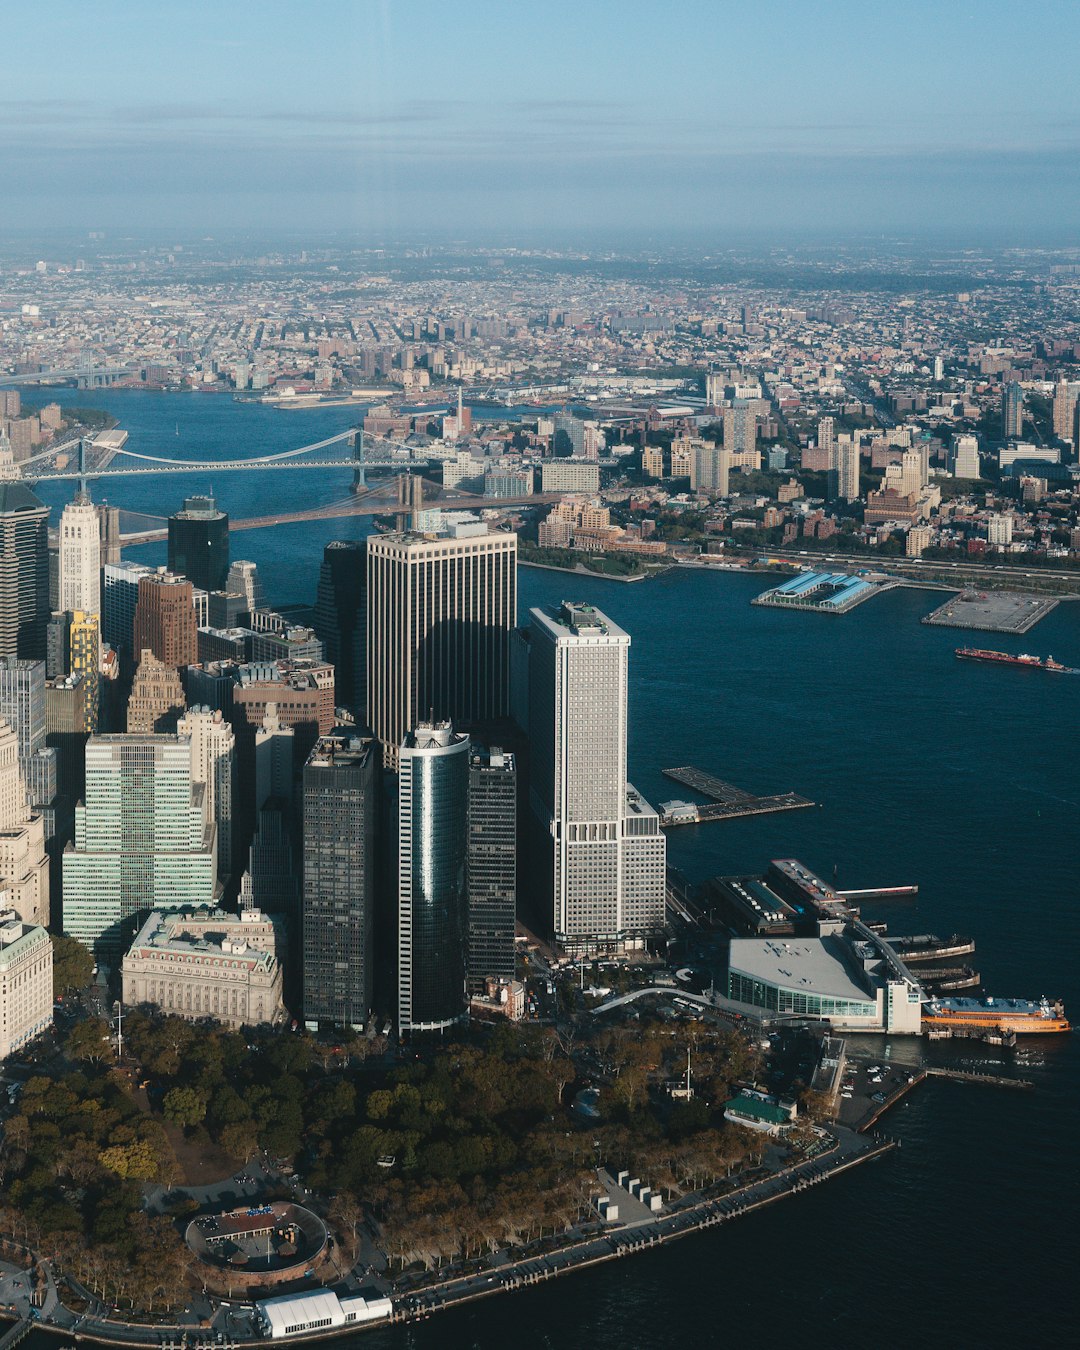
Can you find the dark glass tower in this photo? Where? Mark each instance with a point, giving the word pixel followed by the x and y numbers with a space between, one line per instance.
pixel 24 572
pixel 199 544
pixel 341 617
pixel 492 865
pixel 433 896
pixel 341 797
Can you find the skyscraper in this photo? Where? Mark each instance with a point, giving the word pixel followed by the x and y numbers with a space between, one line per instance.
pixel 80 556
pixel 142 840
pixel 24 571
pixel 341 802
pixel 119 598
pixel 710 469
pixel 199 544
pixel 213 764
pixel 243 579
pixel 1066 395
pixel 492 864
pixel 24 866
pixel 439 615
pixel 740 428
pixel 965 457
pixel 1012 411
pixel 433 896
pixel 606 855
pixel 157 697
pixel 165 619
pixel 843 478
pixel 22 704
pixel 341 617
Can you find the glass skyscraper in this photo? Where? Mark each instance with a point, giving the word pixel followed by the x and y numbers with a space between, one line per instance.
pixel 433 895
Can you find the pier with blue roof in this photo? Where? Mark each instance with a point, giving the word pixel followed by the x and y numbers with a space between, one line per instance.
pixel 825 592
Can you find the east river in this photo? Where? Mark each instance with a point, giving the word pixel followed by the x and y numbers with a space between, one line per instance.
pixel 964 778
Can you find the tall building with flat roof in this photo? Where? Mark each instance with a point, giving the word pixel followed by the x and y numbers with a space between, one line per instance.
pixel 440 610
pixel 340 618
pixel 119 598
pixel 142 840
pixel 24 571
pixel 24 864
pixel 964 457
pixel 433 895
pixel 340 821
pixel 213 764
pixel 26 982
pixel 492 864
pixel 165 621
pixel 1012 411
pixel 199 544
pixel 606 854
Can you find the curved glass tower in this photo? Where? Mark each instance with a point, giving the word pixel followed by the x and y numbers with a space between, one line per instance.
pixel 433 894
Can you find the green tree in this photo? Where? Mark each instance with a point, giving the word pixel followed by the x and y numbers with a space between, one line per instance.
pixel 136 1161
pixel 73 965
pixel 184 1106
pixel 91 1040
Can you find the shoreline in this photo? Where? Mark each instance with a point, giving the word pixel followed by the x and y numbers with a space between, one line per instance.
pixel 850 1149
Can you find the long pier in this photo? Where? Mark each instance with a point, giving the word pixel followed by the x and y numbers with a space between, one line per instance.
pixel 728 801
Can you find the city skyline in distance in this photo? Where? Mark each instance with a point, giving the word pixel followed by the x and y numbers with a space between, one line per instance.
pixel 587 118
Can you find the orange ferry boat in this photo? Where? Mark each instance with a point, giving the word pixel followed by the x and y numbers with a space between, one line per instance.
pixel 1024 1016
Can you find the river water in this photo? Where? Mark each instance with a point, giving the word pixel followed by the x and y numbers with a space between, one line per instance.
pixel 958 776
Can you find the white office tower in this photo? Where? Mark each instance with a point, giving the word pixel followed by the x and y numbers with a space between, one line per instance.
pixel 273 759
pixel 142 840
pixel 24 866
pixel 914 471
pixel 80 556
pixel 243 579
pixel 608 856
pixel 213 764
pixel 26 981
pixel 965 457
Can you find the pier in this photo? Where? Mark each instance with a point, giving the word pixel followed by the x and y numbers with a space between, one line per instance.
pixel 992 611
pixel 728 801
pixel 928 947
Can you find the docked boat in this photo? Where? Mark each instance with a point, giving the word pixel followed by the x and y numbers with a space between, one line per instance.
pixel 1006 658
pixel 1024 1016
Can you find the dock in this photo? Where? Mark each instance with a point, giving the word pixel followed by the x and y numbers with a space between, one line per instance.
pixel 992 611
pixel 728 801
pixel 824 592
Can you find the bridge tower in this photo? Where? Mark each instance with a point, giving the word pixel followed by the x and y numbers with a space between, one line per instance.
pixel 410 500
pixel 359 482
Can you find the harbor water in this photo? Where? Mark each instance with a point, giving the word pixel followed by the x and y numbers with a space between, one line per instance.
pixel 962 777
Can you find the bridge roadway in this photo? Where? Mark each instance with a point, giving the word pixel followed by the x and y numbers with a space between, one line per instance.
pixel 358 506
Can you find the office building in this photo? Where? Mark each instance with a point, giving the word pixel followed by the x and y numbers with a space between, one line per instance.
pixel 826 437
pixel 433 895
pixel 652 462
pixel 492 865
pixel 73 647
pixel 26 982
pixel 213 765
pixel 340 812
pixel 157 697
pixel 199 544
pixel 570 475
pixel 1012 411
pixel 206 963
pixel 605 866
pixel 165 621
pixel 999 530
pixel 119 598
pixel 711 469
pixel 964 457
pixel 301 694
pixel 66 733
pixel 340 618
pixel 80 556
pixel 142 841
pixel 568 437
pixel 24 571
pixel 1066 395
pixel 22 705
pixel 24 865
pixel 440 612
pixel 292 642
pixel 243 579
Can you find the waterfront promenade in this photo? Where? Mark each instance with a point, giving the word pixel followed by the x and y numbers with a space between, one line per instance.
pixel 581 1247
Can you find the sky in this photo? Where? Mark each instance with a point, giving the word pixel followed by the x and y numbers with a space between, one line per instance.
pixel 477 117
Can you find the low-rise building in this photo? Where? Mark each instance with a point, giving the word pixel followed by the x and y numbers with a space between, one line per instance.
pixel 206 963
pixel 26 981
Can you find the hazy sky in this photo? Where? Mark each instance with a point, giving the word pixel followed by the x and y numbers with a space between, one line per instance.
pixel 466 115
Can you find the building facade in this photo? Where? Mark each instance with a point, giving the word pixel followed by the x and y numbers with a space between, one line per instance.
pixel 340 821
pixel 142 841
pixel 80 556
pixel 24 864
pixel 199 544
pixel 213 765
pixel 198 963
pixel 340 619
pixel 605 854
pixel 492 865
pixel 165 621
pixel 157 697
pixel 24 571
pixel 440 613
pixel 433 896
pixel 26 982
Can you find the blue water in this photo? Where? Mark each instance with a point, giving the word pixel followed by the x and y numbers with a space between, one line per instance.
pixel 958 776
